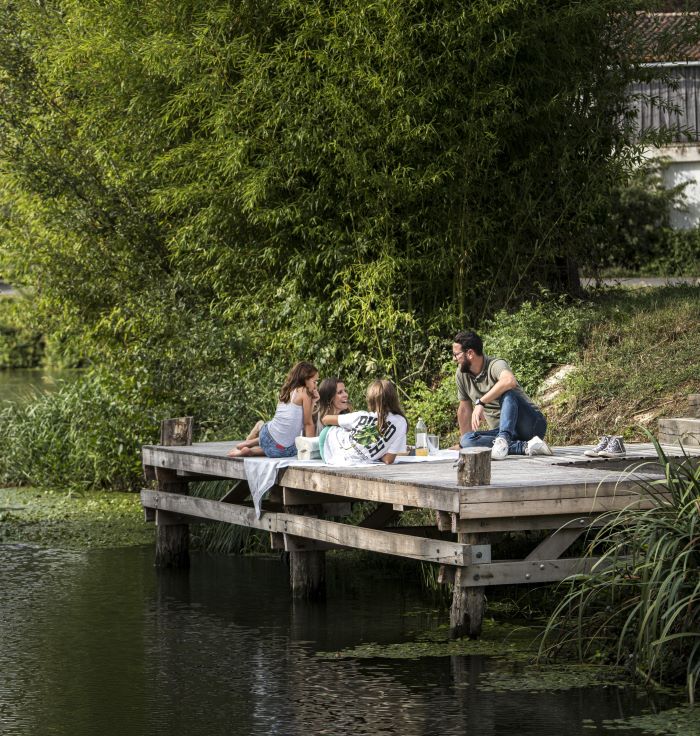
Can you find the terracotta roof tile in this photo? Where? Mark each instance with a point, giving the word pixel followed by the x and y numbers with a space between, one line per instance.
pixel 669 36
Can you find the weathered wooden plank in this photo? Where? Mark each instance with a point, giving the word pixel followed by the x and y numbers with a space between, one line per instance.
pixel 368 488
pixel 312 528
pixel 469 602
pixel 555 544
pixel 524 523
pixel 520 571
pixel 447 522
pixel 193 462
pixel 554 506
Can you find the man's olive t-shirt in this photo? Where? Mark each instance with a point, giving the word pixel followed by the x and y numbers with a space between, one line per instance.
pixel 471 388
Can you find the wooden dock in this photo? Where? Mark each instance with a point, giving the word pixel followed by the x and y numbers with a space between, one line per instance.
pixel 566 493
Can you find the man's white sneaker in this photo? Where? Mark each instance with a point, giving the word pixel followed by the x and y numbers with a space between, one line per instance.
pixel 537 446
pixel 499 451
pixel 602 444
pixel 307 448
pixel 615 448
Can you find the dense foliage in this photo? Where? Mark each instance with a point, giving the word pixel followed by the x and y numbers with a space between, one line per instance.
pixel 198 194
pixel 399 166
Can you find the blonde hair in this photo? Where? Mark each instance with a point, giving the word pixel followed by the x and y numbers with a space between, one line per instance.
pixel 383 398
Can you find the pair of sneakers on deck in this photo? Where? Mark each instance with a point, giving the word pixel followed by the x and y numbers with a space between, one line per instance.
pixel 609 445
pixel 534 446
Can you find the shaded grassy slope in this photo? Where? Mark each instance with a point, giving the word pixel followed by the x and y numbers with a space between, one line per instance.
pixel 639 360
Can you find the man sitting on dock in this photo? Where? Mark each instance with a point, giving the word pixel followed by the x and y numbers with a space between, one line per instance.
pixel 488 391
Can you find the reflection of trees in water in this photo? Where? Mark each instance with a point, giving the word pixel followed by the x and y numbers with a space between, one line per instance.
pixel 72 643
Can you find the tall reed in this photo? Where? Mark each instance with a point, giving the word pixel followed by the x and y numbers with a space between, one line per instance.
pixel 641 602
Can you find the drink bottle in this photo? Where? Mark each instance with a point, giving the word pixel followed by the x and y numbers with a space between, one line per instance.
pixel 421 438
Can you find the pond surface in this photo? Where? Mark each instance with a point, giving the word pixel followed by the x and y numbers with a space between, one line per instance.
pixel 25 384
pixel 100 642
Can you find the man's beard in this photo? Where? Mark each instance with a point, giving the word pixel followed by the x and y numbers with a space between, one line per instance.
pixel 466 365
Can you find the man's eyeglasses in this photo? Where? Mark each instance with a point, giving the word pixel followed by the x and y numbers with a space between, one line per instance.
pixel 461 352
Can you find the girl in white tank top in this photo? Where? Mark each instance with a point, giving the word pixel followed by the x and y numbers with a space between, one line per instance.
pixel 293 417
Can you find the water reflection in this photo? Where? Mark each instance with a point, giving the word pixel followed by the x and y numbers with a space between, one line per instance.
pixel 102 643
pixel 24 385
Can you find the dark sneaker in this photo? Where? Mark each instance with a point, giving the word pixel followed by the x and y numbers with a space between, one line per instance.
pixel 615 448
pixel 602 444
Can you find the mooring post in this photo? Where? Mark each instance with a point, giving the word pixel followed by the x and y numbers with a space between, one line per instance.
pixel 468 603
pixel 307 575
pixel 172 535
pixel 307 567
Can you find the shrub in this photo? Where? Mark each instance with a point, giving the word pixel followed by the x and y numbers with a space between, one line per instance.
pixel 537 337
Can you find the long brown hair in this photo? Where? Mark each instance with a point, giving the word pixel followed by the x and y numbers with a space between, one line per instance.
pixel 326 393
pixel 383 398
pixel 298 375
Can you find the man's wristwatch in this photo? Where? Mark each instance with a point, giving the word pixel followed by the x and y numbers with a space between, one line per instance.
pixel 478 402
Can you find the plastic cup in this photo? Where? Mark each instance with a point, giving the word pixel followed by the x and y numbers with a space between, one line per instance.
pixel 433 443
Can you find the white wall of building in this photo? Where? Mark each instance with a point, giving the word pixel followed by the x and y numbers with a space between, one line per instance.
pixel 683 166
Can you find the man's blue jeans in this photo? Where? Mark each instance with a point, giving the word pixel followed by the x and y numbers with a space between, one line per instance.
pixel 520 422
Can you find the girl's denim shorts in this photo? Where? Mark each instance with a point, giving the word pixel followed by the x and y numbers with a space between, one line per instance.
pixel 271 448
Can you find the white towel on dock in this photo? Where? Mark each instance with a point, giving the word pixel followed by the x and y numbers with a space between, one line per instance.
pixel 261 474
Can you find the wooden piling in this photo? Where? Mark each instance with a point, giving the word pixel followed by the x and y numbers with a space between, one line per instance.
pixel 468 603
pixel 307 567
pixel 172 535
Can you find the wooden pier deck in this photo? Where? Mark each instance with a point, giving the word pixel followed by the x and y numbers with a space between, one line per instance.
pixel 566 493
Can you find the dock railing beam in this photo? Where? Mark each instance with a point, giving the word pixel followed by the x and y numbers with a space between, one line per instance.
pixel 467 611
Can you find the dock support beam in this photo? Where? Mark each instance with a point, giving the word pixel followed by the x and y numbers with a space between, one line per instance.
pixel 172 536
pixel 307 575
pixel 468 603
pixel 307 567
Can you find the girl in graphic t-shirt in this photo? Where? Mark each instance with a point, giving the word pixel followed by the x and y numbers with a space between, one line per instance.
pixel 293 417
pixel 366 436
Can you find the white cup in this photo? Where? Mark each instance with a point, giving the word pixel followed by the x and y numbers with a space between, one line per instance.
pixel 433 443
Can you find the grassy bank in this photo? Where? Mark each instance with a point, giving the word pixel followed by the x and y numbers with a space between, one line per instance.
pixel 637 361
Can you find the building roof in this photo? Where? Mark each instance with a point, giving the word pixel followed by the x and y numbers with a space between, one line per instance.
pixel 669 36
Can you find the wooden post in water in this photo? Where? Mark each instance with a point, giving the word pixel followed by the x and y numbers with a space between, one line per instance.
pixel 467 612
pixel 307 566
pixel 307 574
pixel 172 535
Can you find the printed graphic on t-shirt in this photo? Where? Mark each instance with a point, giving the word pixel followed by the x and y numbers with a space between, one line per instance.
pixel 357 440
pixel 367 439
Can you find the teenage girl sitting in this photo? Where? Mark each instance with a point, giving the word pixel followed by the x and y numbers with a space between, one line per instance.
pixel 293 417
pixel 366 436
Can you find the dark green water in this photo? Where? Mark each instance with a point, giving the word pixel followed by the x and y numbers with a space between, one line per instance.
pixel 101 643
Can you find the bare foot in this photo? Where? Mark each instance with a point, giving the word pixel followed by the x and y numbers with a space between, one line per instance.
pixel 239 452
